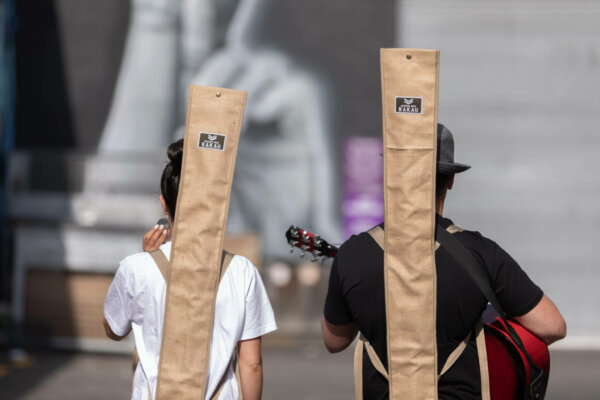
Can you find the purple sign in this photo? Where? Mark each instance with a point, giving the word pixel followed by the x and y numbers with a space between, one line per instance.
pixel 362 206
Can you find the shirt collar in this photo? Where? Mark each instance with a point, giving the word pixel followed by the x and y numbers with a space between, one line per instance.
pixel 445 222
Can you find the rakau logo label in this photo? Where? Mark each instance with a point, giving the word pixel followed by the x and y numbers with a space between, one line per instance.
pixel 212 141
pixel 409 105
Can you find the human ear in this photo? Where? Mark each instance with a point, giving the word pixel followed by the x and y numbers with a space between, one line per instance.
pixel 163 204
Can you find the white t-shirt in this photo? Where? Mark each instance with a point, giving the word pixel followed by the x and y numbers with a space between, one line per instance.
pixel 136 300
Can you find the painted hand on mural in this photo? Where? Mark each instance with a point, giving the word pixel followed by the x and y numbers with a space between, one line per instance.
pixel 284 168
pixel 167 42
pixel 164 11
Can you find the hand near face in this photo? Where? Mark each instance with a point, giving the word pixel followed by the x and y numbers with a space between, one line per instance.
pixel 155 237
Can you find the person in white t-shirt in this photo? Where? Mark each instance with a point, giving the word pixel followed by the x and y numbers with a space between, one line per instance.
pixel 136 300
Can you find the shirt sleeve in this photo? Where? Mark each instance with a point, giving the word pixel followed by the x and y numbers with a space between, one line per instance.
pixel 515 291
pixel 336 310
pixel 259 318
pixel 118 303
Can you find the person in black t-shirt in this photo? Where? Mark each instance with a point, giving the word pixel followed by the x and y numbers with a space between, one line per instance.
pixel 356 297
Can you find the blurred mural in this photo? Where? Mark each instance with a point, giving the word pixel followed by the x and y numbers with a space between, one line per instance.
pixel 102 88
pixel 284 170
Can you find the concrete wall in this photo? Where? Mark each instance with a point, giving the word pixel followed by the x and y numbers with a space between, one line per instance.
pixel 519 90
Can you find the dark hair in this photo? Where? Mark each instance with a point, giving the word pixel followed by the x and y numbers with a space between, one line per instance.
pixel 169 182
pixel 441 184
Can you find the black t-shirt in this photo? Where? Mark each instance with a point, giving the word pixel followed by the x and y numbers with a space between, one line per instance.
pixel 356 294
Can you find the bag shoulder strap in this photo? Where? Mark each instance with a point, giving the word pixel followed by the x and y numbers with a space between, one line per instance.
pixel 378 235
pixel 376 361
pixel 482 279
pixel 373 356
pixel 361 344
pixel 225 261
pixel 455 355
pixel 220 385
pixel 483 361
pixel 468 262
pixel 163 263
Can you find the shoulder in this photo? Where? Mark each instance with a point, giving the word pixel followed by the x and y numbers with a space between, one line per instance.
pixel 356 245
pixel 490 253
pixel 241 271
pixel 138 268
pixel 133 262
pixel 354 255
pixel 476 240
pixel 242 280
pixel 241 264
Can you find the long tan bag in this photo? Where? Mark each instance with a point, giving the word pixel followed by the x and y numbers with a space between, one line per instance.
pixel 409 82
pixel 163 266
pixel 213 123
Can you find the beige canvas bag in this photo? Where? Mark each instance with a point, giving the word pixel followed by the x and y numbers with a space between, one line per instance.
pixel 409 82
pixel 213 123
pixel 163 265
pixel 378 235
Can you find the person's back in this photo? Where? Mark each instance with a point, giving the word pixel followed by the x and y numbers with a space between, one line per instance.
pixel 356 299
pixel 136 301
pixel 357 279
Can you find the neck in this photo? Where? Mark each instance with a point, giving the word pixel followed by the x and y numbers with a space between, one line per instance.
pixel 439 205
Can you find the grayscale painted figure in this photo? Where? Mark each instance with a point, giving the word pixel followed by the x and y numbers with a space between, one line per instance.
pixel 284 170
